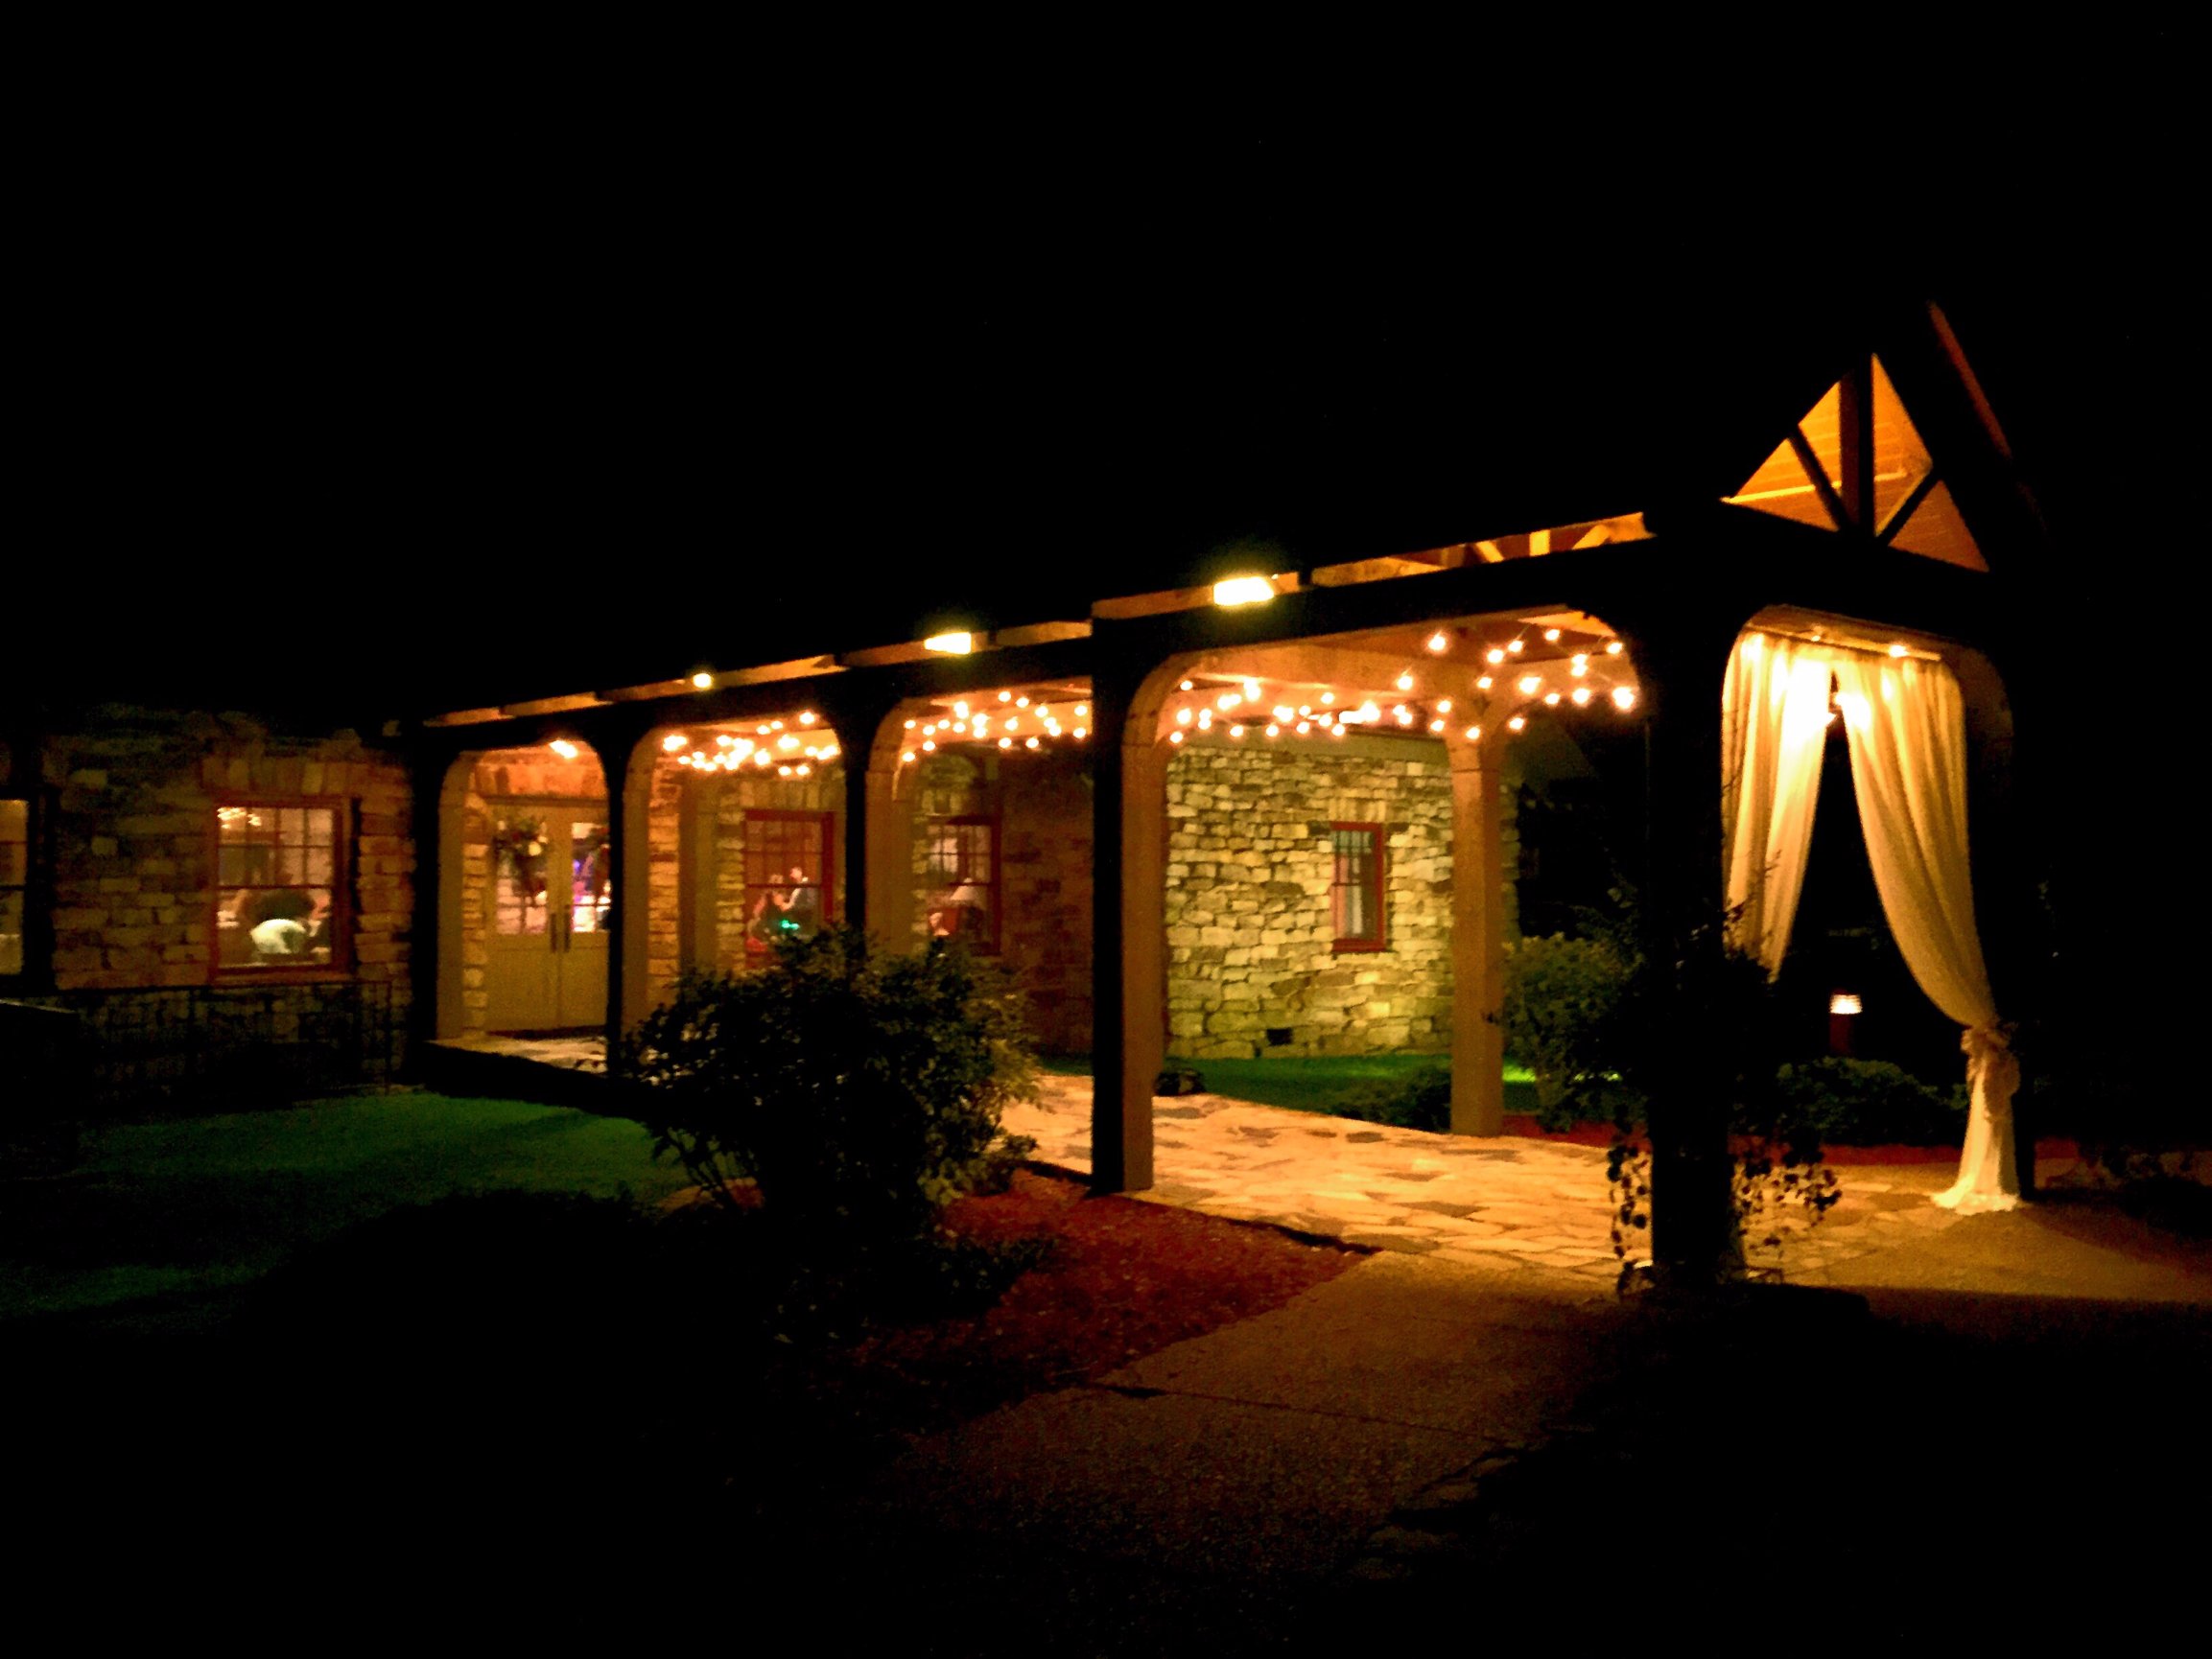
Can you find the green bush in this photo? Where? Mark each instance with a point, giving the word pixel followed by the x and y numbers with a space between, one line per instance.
pixel 1419 1100
pixel 1567 1005
pixel 859 1090
pixel 1869 1103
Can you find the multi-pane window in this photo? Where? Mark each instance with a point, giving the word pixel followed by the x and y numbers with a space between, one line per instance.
pixel 787 892
pixel 14 882
pixel 1355 887
pixel 279 886
pixel 963 880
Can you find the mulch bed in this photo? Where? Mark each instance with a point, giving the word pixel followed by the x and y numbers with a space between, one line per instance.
pixel 1123 1278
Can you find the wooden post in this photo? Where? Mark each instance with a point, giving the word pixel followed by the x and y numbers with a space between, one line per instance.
pixel 1128 938
pixel 880 872
pixel 699 875
pixel 1477 937
pixel 1681 662
pixel 627 760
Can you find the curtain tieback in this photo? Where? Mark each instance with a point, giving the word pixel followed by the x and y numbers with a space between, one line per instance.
pixel 1991 1064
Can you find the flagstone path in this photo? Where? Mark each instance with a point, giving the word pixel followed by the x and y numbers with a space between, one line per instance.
pixel 1503 1202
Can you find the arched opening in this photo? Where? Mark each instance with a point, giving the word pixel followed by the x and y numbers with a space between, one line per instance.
pixel 1856 758
pixel 527 891
pixel 745 822
pixel 985 836
pixel 1314 847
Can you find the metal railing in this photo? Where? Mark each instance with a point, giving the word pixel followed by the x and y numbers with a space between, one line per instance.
pixel 65 1054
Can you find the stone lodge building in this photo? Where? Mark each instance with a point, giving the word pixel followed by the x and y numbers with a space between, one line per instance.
pixel 1264 807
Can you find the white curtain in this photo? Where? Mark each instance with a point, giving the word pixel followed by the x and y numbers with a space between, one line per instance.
pixel 1906 725
pixel 1774 729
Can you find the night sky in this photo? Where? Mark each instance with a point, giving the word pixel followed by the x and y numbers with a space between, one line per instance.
pixel 410 431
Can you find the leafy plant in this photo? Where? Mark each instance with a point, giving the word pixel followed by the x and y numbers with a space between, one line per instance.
pixel 1869 1102
pixel 859 1090
pixel 1567 1008
pixel 1420 1100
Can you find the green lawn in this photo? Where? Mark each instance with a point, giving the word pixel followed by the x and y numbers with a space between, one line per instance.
pixel 1312 1084
pixel 163 1223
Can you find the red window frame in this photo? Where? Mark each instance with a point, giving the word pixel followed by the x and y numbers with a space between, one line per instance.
pixel 1370 882
pixel 825 827
pixel 341 963
pixel 985 944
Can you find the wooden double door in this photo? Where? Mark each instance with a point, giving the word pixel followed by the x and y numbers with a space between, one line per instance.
pixel 546 910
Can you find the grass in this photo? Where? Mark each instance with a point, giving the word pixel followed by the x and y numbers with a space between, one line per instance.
pixel 1316 1084
pixel 164 1223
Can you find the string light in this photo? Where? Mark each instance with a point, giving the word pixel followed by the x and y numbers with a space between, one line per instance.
pixel 1005 696
pixel 1439 641
pixel 1187 685
pixel 673 742
pixel 562 747
pixel 1514 646
pixel 1552 636
pixel 1443 705
pixel 1518 724
pixel 1494 656
pixel 1329 696
pixel 1613 647
pixel 1474 734
pixel 1897 651
pixel 1172 737
pixel 1624 698
pixel 807 718
pixel 1527 684
pixel 1251 691
pixel 1582 696
pixel 1405 681
pixel 1484 683
pixel 1236 731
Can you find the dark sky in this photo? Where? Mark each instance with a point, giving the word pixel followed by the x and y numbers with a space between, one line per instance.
pixel 422 425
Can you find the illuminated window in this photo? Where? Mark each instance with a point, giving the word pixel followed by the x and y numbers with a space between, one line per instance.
pixel 963 877
pixel 280 886
pixel 1355 887
pixel 14 882
pixel 788 890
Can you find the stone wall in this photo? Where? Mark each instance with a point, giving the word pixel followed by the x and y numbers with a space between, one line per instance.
pixel 504 774
pixel 1043 807
pixel 1250 940
pixel 133 842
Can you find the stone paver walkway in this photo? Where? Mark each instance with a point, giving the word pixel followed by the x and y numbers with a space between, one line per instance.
pixel 1505 1203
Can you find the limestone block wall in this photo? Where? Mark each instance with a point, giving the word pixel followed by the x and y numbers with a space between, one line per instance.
pixel 1250 941
pixel 504 774
pixel 1043 807
pixel 132 833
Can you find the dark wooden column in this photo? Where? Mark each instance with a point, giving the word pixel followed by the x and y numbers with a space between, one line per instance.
pixel 621 747
pixel 877 849
pixel 1681 663
pixel 1127 935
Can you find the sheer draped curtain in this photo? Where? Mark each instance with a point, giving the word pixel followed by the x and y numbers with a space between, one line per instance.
pixel 1904 720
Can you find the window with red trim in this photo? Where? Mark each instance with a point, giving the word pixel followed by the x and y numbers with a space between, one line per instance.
pixel 1355 887
pixel 280 886
pixel 963 878
pixel 787 889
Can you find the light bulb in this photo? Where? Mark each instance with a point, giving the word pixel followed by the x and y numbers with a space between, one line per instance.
pixel 1512 645
pixel 1517 723
pixel 1528 683
pixel 1443 705
pixel 1474 734
pixel 1236 731
pixel 1623 698
pixel 1251 691
pixel 1438 641
pixel 1613 647
pixel 1581 696
pixel 702 680
pixel 1405 682
pixel 1552 636
pixel 674 741
pixel 1494 657
pixel 1484 683
pixel 1005 696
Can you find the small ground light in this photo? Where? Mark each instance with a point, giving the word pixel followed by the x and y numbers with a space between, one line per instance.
pixel 1843 1011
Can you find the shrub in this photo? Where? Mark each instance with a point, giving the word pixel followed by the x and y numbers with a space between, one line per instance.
pixel 858 1089
pixel 1869 1103
pixel 1420 1100
pixel 1567 1004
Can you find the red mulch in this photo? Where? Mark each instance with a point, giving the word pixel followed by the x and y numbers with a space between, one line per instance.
pixel 1124 1278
